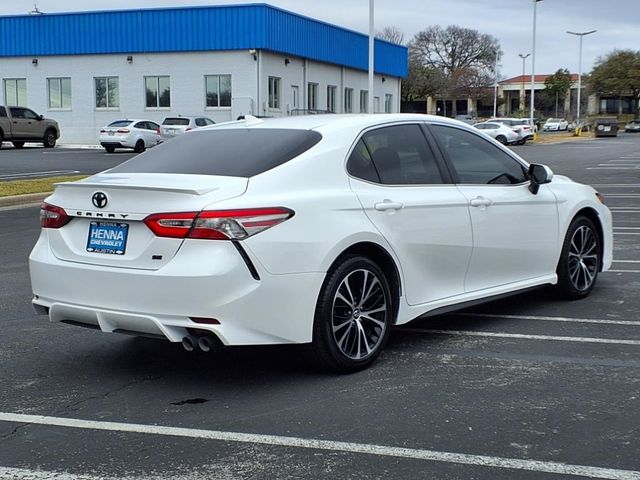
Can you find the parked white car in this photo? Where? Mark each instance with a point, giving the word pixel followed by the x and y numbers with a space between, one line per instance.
pixel 173 126
pixel 326 230
pixel 555 125
pixel 519 125
pixel 135 134
pixel 499 131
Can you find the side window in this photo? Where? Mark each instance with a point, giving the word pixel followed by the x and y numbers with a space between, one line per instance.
pixel 200 122
pixel 3 112
pixel 153 126
pixel 476 160
pixel 402 156
pixel 17 112
pixel 142 125
pixel 208 121
pixel 360 164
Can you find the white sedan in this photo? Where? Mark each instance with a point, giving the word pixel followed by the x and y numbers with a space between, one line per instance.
pixel 134 134
pixel 324 230
pixel 555 125
pixel 501 132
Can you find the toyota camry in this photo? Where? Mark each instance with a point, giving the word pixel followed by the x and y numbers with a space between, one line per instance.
pixel 320 230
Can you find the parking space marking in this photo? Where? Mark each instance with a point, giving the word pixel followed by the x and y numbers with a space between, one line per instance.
pixel 617 185
pixel 555 338
pixel 17 176
pixel 626 261
pixel 329 445
pixel 23 474
pixel 624 271
pixel 553 319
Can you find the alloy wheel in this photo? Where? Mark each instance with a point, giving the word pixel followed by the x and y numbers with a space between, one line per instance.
pixel 359 314
pixel 583 258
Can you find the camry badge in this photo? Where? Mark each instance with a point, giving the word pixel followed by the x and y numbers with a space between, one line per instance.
pixel 99 199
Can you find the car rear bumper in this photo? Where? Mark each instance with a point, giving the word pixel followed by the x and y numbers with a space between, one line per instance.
pixel 273 310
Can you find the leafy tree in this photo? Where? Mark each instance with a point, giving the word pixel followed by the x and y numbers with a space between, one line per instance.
pixel 557 85
pixel 617 74
pixel 391 34
pixel 465 59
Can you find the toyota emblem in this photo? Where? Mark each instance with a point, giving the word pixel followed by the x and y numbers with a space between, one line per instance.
pixel 99 199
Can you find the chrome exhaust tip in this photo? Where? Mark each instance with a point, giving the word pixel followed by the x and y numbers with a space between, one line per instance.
pixel 204 344
pixel 187 344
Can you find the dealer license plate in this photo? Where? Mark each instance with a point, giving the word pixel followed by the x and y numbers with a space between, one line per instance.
pixel 107 237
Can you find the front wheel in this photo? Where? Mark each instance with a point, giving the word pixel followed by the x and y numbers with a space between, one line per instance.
pixel 353 316
pixel 49 140
pixel 110 149
pixel 579 260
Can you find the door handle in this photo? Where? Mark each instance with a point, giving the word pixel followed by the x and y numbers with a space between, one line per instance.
pixel 480 202
pixel 388 205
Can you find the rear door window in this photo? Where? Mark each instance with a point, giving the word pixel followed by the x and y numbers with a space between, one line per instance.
pixel 3 112
pixel 226 152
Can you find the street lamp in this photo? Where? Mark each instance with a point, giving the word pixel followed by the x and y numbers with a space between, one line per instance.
pixel 495 87
pixel 580 34
pixel 533 63
pixel 371 58
pixel 523 57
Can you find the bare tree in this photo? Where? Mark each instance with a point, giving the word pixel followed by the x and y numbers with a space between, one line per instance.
pixel 466 58
pixel 391 34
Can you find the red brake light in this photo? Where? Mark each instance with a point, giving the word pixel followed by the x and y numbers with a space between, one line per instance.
pixel 123 130
pixel 52 216
pixel 158 131
pixel 217 225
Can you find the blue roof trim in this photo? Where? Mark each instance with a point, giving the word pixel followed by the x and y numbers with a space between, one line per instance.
pixel 233 27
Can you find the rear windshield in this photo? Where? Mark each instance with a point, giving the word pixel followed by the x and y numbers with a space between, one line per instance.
pixel 120 123
pixel 231 153
pixel 176 121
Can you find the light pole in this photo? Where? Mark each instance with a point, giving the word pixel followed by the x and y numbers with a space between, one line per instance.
pixel 371 58
pixel 533 64
pixel 524 92
pixel 580 34
pixel 495 87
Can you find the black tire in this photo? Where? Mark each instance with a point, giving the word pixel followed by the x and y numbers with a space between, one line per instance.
pixel 1 138
pixel 110 149
pixel 139 148
pixel 502 139
pixel 521 142
pixel 18 144
pixel 341 328
pixel 580 260
pixel 50 137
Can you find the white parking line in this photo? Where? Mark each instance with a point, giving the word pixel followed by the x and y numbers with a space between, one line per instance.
pixel 23 474
pixel 349 447
pixel 469 333
pixel 623 271
pixel 626 261
pixel 617 185
pixel 553 319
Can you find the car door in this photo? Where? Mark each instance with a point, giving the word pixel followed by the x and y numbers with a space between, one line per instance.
pixel 34 126
pixel 402 186
pixel 515 233
pixel 19 123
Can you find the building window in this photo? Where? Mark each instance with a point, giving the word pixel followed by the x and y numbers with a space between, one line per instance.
pixel 157 92
pixel 364 101
pixel 107 92
pixel 331 99
pixel 312 96
pixel 218 91
pixel 388 103
pixel 348 100
pixel 15 92
pixel 274 93
pixel 59 93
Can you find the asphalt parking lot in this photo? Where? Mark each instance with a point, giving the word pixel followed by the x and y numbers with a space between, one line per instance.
pixel 525 388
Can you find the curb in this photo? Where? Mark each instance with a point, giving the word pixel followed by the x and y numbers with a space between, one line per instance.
pixel 30 198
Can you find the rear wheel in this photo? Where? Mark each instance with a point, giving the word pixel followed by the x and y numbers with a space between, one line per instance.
pixel 502 139
pixel 18 144
pixel 353 316
pixel 579 260
pixel 110 149
pixel 139 148
pixel 521 142
pixel 49 140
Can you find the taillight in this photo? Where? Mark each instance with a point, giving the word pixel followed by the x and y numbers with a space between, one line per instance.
pixel 188 128
pixel 123 130
pixel 52 216
pixel 217 225
pixel 158 131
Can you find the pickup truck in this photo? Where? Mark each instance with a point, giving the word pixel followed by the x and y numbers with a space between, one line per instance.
pixel 19 125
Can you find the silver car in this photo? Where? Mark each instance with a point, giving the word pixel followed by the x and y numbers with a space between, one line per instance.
pixel 502 133
pixel 172 126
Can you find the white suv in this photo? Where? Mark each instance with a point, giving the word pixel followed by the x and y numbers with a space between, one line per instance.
pixel 172 126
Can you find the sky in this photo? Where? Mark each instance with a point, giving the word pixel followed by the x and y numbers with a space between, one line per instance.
pixel 511 21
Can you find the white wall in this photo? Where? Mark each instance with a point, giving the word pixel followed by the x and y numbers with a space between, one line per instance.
pixel 82 122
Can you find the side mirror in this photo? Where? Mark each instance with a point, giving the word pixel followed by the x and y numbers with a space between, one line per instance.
pixel 539 175
pixel 40 117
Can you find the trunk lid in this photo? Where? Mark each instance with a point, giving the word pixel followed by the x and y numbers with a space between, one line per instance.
pixel 130 198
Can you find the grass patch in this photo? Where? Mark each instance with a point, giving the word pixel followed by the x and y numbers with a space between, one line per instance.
pixel 34 185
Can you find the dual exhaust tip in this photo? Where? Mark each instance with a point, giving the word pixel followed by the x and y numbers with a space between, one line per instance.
pixel 204 343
